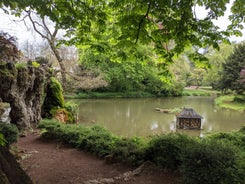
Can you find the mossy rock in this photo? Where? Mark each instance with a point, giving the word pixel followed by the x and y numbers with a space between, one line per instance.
pixel 63 115
pixel 54 98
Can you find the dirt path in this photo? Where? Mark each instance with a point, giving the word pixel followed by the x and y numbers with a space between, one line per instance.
pixel 51 163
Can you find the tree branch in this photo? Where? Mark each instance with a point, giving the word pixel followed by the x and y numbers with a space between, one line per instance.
pixel 35 27
pixel 45 26
pixel 141 22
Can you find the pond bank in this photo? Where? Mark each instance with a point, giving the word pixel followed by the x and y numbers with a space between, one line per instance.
pixel 227 102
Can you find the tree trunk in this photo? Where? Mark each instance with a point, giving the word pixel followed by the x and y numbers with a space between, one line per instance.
pixel 10 170
pixel 60 61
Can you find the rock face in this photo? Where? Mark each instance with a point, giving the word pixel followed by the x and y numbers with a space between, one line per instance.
pixel 23 89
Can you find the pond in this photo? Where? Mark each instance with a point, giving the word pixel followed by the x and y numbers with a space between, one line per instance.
pixel 137 117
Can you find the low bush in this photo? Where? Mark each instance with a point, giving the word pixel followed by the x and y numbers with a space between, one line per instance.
pixel 209 162
pixel 129 150
pixel 166 150
pixel 97 140
pixel 10 133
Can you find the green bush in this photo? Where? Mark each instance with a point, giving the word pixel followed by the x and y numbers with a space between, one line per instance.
pixel 209 162
pixel 129 150
pixel 239 98
pixel 166 150
pixel 10 132
pixel 97 140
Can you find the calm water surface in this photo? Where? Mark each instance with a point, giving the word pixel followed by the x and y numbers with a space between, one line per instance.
pixel 137 117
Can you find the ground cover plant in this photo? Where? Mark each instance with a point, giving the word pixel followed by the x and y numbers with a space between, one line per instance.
pixel 217 158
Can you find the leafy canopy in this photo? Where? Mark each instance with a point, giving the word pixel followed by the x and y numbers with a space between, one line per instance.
pixel 232 69
pixel 171 25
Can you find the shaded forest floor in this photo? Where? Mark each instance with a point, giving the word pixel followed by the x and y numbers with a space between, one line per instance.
pixel 50 162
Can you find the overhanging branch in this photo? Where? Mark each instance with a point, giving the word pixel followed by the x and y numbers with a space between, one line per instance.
pixel 141 22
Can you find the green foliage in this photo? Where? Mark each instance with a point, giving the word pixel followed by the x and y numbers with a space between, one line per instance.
pixel 216 59
pixel 128 94
pixel 228 102
pixel 216 159
pixel 98 141
pixel 2 140
pixel 137 70
pixel 209 162
pixel 198 92
pixel 21 65
pixel 231 70
pixel 54 98
pixel 9 133
pixel 71 107
pixel 35 64
pixel 166 150
pixel 94 139
pixel 129 150
pixel 239 98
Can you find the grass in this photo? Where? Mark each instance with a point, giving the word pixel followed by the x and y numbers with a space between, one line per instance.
pixel 227 101
pixel 201 91
pixel 130 94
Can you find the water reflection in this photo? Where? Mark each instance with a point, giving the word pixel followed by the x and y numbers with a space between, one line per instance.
pixel 137 117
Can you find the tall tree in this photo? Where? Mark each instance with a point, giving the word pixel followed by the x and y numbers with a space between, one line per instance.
pixel 41 27
pixel 232 68
pixel 216 59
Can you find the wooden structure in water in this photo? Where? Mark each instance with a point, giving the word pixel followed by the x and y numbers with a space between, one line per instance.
pixel 188 119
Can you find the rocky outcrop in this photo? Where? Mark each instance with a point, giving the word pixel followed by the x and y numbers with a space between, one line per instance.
pixel 23 89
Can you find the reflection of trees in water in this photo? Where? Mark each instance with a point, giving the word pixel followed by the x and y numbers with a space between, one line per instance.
pixel 137 117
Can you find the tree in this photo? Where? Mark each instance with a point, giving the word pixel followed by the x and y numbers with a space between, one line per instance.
pixel 232 68
pixel 171 25
pixel 216 59
pixel 41 27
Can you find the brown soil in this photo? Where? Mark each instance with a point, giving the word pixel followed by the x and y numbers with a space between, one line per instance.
pixel 51 163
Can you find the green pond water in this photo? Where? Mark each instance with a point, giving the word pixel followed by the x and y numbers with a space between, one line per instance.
pixel 137 117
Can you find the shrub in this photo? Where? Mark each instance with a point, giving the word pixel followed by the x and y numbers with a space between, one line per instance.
pixel 209 162
pixel 10 133
pixel 129 150
pixel 94 139
pixel 97 140
pixel 165 150
pixel 239 98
